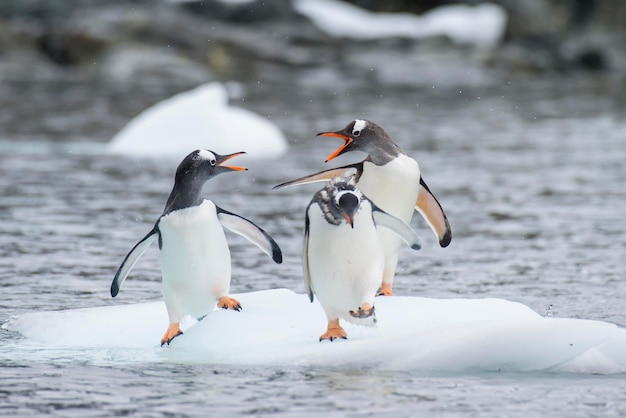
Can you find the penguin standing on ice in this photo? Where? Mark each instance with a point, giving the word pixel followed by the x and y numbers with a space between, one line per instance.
pixel 194 254
pixel 392 180
pixel 342 257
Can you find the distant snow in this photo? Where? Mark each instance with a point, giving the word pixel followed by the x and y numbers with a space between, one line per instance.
pixel 282 327
pixel 482 25
pixel 199 118
pixel 228 2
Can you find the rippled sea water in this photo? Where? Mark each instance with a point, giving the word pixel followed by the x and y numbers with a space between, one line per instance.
pixel 531 176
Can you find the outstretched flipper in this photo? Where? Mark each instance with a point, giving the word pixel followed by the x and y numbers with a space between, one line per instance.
pixel 247 229
pixel 326 175
pixel 131 259
pixel 428 206
pixel 382 218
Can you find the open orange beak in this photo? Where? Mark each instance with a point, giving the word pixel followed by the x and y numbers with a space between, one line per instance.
pixel 232 167
pixel 347 141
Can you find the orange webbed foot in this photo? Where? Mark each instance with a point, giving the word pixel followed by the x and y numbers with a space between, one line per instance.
pixel 172 332
pixel 385 290
pixel 226 302
pixel 334 331
pixel 364 311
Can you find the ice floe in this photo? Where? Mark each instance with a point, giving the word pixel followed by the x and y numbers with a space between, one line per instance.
pixel 197 119
pixel 482 25
pixel 281 327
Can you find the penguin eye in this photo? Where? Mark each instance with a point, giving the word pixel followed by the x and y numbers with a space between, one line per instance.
pixel 356 133
pixel 212 162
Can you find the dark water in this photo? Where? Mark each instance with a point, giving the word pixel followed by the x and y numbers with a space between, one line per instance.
pixel 531 177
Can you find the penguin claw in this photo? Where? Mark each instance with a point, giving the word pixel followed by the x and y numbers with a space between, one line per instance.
pixel 332 338
pixel 385 290
pixel 226 302
pixel 364 311
pixel 334 332
pixel 172 332
pixel 169 340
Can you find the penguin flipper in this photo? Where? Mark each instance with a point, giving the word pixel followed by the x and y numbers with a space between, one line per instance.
pixel 247 229
pixel 428 206
pixel 305 259
pixel 326 175
pixel 408 235
pixel 131 259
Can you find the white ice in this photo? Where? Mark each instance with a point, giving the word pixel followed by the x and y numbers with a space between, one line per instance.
pixel 482 25
pixel 279 327
pixel 198 119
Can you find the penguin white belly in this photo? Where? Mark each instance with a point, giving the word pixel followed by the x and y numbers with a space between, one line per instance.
pixel 195 261
pixel 345 264
pixel 393 187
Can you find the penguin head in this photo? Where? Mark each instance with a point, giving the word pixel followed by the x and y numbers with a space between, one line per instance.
pixel 201 165
pixel 348 203
pixel 340 200
pixel 191 175
pixel 364 135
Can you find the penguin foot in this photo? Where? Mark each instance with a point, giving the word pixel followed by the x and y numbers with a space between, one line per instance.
pixel 226 302
pixel 334 331
pixel 385 290
pixel 172 332
pixel 364 311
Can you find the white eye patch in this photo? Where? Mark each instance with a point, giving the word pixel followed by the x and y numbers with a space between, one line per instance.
pixel 359 125
pixel 206 155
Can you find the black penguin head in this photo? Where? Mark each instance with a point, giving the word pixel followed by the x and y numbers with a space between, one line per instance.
pixel 195 170
pixel 364 135
pixel 340 200
pixel 348 203
pixel 201 165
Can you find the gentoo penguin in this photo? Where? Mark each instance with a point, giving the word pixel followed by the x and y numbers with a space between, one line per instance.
pixel 391 179
pixel 342 257
pixel 194 254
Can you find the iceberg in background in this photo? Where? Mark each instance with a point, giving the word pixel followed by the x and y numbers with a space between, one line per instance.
pixel 281 327
pixel 199 118
pixel 482 25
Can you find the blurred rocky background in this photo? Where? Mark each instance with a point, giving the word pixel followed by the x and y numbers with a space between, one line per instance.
pixel 167 46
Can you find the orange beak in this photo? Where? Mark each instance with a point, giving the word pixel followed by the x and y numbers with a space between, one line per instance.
pixel 348 219
pixel 232 167
pixel 347 141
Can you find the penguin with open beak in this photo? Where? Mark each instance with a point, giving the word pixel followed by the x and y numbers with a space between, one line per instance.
pixel 391 179
pixel 194 254
pixel 342 257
